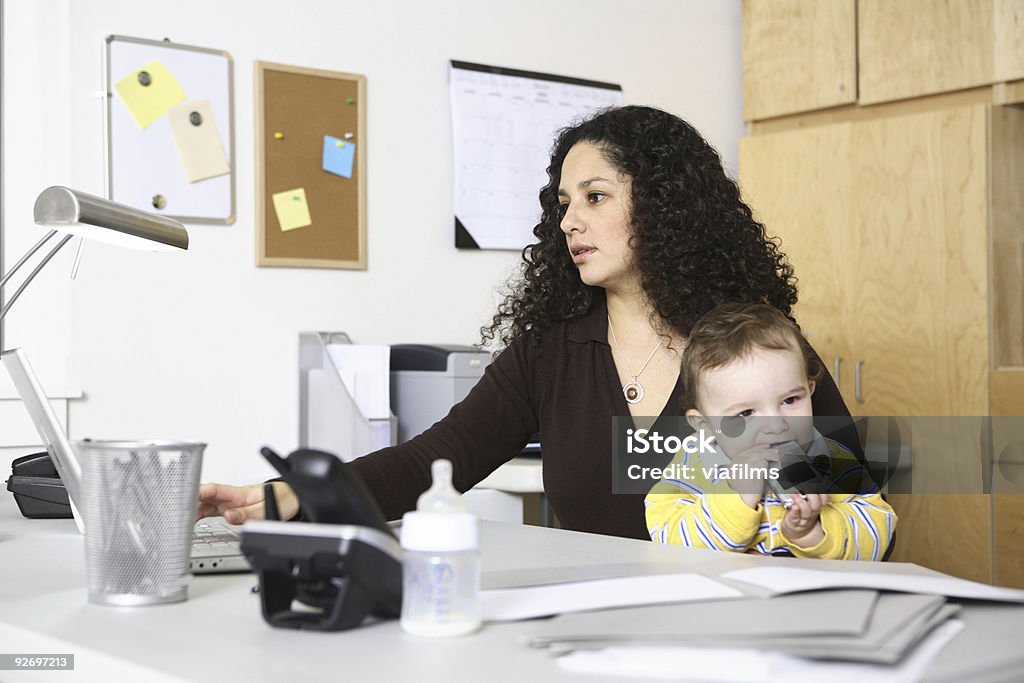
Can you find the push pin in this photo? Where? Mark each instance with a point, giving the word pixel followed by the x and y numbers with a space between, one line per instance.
pixel 350 100
pixel 279 136
pixel 348 136
pixel 196 118
pixel 341 143
pixel 144 78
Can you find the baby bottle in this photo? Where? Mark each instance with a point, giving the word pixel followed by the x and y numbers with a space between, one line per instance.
pixel 441 566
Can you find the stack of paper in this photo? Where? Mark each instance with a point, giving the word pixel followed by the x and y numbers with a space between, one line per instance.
pixel 754 666
pixel 853 625
pixel 829 624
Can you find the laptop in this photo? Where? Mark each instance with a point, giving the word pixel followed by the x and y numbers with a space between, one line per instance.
pixel 216 545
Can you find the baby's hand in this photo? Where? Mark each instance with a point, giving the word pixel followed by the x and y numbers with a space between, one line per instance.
pixel 756 459
pixel 802 524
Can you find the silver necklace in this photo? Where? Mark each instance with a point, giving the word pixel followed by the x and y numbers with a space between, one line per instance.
pixel 633 390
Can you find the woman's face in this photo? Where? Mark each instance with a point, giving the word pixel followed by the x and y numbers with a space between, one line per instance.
pixel 595 201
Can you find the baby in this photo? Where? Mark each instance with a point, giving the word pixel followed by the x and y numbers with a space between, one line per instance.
pixel 748 375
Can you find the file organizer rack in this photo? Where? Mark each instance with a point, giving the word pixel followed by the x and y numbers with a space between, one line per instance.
pixel 329 419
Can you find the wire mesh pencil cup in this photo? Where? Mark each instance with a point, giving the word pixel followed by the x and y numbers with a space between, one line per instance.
pixel 139 500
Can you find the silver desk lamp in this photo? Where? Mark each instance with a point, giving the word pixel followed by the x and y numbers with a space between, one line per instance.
pixel 76 213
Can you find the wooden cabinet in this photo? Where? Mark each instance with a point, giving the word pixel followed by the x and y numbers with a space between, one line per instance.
pixel 888 223
pixel 798 55
pixel 811 55
pixel 919 47
pixel 885 222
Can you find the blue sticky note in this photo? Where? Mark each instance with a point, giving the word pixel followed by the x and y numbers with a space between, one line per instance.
pixel 338 158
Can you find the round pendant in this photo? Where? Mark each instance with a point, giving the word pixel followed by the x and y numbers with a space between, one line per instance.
pixel 634 392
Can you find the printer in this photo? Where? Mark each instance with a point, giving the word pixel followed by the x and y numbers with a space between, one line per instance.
pixel 427 380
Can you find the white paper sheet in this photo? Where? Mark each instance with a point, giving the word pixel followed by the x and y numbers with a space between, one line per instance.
pixel 365 370
pixel 543 576
pixel 502 129
pixel 510 604
pixel 753 666
pixel 789 580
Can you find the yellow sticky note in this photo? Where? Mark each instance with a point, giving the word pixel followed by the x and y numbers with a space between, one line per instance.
pixel 292 209
pixel 147 103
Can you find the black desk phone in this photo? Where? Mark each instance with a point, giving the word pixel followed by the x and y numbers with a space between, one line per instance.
pixel 343 563
pixel 37 488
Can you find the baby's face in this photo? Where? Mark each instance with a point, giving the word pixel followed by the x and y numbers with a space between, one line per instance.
pixel 762 399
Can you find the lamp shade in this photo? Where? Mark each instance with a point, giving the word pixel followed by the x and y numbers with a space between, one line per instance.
pixel 82 214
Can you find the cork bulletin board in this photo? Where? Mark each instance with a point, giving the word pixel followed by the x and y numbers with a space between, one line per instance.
pixel 311 167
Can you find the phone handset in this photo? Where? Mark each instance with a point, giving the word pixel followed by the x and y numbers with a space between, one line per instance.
pixel 328 490
pixel 797 474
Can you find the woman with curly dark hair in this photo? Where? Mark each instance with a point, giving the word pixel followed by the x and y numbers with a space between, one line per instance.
pixel 641 233
pixel 693 242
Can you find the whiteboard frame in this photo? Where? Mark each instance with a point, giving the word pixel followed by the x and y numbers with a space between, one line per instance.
pixel 108 149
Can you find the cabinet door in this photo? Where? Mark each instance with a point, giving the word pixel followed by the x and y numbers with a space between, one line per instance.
pixel 885 222
pixel 921 321
pixel 1008 511
pixel 950 533
pixel 911 48
pixel 920 317
pixel 798 55
pixel 799 185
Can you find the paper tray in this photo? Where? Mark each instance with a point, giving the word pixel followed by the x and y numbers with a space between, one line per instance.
pixel 329 418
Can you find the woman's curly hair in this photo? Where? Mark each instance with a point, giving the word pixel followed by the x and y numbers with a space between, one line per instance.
pixel 695 242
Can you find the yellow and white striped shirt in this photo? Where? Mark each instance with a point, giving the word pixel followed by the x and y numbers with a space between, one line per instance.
pixel 703 513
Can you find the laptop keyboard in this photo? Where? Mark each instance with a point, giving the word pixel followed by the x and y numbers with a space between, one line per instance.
pixel 213 539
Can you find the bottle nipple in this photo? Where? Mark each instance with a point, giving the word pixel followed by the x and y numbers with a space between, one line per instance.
pixel 441 496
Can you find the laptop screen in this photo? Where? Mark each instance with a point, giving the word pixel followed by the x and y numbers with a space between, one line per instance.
pixel 45 420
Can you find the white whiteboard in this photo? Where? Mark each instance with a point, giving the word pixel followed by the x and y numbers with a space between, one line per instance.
pixel 503 124
pixel 143 164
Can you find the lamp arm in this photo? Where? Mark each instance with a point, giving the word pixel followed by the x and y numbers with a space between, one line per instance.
pixel 26 257
pixel 35 271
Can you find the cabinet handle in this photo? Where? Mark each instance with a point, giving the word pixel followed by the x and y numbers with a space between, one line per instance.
pixel 835 370
pixel 856 381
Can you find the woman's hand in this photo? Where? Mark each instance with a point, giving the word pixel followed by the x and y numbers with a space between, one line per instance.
pixel 239 503
pixel 802 523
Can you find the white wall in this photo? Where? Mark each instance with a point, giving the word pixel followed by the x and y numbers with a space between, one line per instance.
pixel 203 345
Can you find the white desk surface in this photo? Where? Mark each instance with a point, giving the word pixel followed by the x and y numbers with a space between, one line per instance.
pixel 218 634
